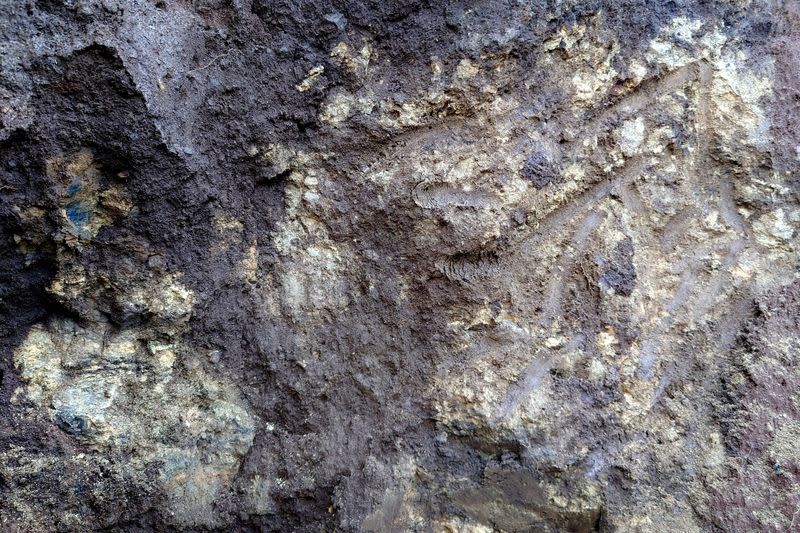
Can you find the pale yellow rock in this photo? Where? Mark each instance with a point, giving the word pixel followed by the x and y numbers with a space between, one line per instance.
pixel 631 136
pixel 102 386
pixel 310 79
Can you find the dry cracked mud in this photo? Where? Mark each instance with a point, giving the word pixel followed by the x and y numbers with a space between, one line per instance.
pixel 463 266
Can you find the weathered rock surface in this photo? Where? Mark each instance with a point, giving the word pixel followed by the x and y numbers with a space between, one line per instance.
pixel 468 266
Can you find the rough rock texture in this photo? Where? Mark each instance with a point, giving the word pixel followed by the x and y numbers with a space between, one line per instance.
pixel 474 266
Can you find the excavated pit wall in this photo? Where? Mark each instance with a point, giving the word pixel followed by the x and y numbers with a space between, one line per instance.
pixel 399 266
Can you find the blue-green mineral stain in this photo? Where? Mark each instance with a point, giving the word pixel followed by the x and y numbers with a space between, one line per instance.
pixel 73 188
pixel 72 423
pixel 174 462
pixel 78 213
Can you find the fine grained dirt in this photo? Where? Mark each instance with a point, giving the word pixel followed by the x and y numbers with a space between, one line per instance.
pixel 399 266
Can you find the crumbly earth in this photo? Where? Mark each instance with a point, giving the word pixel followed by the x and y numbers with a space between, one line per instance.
pixel 460 266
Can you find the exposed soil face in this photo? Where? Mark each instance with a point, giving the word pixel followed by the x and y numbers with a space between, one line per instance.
pixel 404 266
